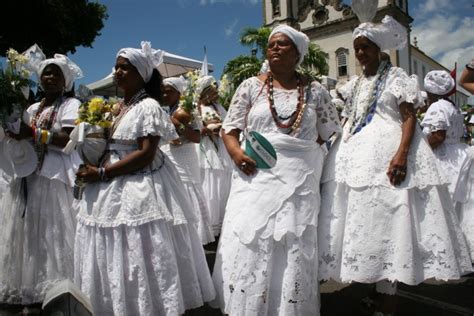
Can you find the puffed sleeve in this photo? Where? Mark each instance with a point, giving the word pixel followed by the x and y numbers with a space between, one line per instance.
pixel 437 117
pixel 68 114
pixel 403 87
pixel 239 106
pixel 148 118
pixel 327 117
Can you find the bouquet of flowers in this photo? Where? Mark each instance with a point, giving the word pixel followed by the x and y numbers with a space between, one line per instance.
pixel 226 91
pixel 89 136
pixel 188 99
pixel 14 87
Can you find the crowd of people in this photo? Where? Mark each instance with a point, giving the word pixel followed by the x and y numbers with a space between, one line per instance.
pixel 296 193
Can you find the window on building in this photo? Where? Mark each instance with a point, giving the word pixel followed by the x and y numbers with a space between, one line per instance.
pixel 415 67
pixel 423 71
pixel 341 61
pixel 275 7
pixel 400 4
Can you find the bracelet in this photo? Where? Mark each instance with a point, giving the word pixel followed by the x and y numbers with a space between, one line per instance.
pixel 470 66
pixel 181 128
pixel 102 175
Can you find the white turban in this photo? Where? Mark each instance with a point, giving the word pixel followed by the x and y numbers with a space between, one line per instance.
pixel 69 69
pixel 439 82
pixel 300 39
pixel 204 82
pixel 145 59
pixel 388 35
pixel 179 84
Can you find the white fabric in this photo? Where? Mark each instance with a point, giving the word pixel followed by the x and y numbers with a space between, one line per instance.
pixel 370 230
pixel 387 35
pixel 216 169
pixel 138 198
pixel 19 158
pixel 151 269
pixel 371 159
pixel 137 252
pixel 179 84
pixel 464 199
pixel 36 251
pixel 443 115
pixel 439 82
pixel 145 59
pixel 300 39
pixel 267 254
pixel 56 164
pixel 204 82
pixel 70 70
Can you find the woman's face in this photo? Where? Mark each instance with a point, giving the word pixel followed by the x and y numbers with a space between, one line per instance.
pixel 170 95
pixel 282 51
pixel 126 75
pixel 366 51
pixel 52 79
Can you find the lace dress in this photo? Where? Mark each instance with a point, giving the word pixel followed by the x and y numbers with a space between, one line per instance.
pixel 186 160
pixel 37 239
pixel 216 169
pixel 464 199
pixel 443 115
pixel 370 230
pixel 267 259
pixel 137 250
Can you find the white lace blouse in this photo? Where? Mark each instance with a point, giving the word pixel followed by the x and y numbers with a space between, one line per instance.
pixel 250 108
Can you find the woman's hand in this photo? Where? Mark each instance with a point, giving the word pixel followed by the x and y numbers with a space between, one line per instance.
pixel 26 132
pixel 397 169
pixel 88 174
pixel 246 164
pixel 206 131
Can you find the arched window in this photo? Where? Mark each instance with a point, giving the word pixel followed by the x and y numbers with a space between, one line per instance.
pixel 341 62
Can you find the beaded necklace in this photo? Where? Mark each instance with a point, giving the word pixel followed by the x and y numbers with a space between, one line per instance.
pixel 45 123
pixel 125 107
pixel 358 123
pixel 295 117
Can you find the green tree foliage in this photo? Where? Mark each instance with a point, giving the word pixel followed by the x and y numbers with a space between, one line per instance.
pixel 57 26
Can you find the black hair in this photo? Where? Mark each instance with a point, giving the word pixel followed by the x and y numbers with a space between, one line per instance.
pixel 153 86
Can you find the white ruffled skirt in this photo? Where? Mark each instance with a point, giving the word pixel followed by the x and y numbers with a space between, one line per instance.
pixel 150 269
pixel 375 233
pixel 36 251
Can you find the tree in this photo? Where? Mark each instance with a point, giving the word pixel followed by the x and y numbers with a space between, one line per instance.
pixel 242 67
pixel 57 26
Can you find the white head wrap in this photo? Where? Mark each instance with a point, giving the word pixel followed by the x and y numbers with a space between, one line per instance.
pixel 300 39
pixel 179 84
pixel 388 35
pixel 204 82
pixel 145 59
pixel 439 82
pixel 69 69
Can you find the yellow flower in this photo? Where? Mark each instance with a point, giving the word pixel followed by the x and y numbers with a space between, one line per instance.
pixel 95 105
pixel 105 124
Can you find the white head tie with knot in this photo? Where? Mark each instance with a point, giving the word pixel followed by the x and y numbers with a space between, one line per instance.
pixel 439 82
pixel 37 62
pixel 387 35
pixel 179 84
pixel 145 59
pixel 300 39
pixel 204 82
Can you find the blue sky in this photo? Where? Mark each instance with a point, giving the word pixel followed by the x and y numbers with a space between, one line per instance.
pixel 444 29
pixel 181 27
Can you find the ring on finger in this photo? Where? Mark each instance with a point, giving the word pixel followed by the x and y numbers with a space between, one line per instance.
pixel 243 165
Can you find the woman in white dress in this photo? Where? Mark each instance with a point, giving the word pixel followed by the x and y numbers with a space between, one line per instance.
pixel 385 211
pixel 215 161
pixel 183 153
pixel 37 239
pixel 267 259
pixel 137 251
pixel 443 125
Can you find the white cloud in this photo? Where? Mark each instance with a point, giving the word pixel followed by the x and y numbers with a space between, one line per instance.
pixel 445 38
pixel 433 5
pixel 210 2
pixel 230 29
